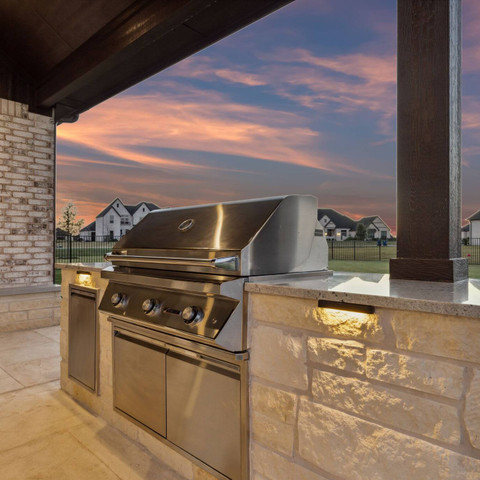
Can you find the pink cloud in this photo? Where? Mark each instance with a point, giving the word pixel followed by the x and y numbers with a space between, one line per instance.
pixel 198 121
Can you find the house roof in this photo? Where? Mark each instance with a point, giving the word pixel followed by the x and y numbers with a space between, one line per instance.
pixel 130 208
pixel 107 208
pixel 475 216
pixel 340 220
pixel 74 54
pixel 133 208
pixel 367 220
pixel 89 228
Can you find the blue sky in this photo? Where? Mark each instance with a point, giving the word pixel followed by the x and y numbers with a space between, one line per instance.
pixel 302 101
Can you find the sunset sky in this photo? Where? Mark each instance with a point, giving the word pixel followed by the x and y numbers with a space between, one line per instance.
pixel 302 101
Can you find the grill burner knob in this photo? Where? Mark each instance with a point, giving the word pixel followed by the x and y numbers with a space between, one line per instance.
pixel 192 315
pixel 117 299
pixel 148 305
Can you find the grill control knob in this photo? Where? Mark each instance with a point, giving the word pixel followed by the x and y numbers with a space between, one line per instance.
pixel 117 299
pixel 149 305
pixel 192 315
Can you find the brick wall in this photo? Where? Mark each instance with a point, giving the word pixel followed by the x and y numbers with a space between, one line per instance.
pixel 393 395
pixel 27 156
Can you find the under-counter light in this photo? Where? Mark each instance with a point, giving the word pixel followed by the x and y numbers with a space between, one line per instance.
pixel 350 307
pixel 84 279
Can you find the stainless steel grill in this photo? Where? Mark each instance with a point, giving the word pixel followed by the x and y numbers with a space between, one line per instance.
pixel 175 300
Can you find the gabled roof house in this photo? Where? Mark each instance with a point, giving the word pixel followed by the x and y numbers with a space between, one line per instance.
pixel 474 230
pixel 116 219
pixel 337 226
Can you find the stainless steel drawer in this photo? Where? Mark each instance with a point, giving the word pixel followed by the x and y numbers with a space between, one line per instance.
pixel 82 336
pixel 203 410
pixel 139 380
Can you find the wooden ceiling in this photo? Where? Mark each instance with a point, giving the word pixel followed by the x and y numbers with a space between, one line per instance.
pixel 74 54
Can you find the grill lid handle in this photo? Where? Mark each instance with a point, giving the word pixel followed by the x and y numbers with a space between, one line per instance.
pixel 222 263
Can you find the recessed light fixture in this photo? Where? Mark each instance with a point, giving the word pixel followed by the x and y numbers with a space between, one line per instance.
pixel 351 307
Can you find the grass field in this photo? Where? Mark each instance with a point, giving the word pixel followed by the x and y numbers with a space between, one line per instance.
pixel 379 267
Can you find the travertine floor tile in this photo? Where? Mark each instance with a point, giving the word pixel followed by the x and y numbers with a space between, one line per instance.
pixel 28 352
pixel 7 384
pixel 53 333
pixel 36 371
pixel 9 340
pixel 128 460
pixel 55 457
pixel 30 417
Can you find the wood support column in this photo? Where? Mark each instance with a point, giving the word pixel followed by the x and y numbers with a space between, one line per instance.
pixel 429 142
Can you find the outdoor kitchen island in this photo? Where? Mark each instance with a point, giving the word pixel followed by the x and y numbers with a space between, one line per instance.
pixel 338 394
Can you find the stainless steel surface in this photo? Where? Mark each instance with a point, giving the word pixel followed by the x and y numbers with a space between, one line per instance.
pixel 175 298
pixel 222 263
pixel 82 336
pixel 164 340
pixel 194 397
pixel 203 411
pixel 139 380
pixel 211 311
pixel 253 237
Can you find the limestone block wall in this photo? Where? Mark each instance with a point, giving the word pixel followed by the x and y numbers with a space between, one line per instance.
pixel 341 396
pixel 24 311
pixel 27 156
pixel 102 404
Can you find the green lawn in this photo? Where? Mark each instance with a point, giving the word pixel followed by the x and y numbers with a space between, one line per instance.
pixel 58 276
pixel 379 267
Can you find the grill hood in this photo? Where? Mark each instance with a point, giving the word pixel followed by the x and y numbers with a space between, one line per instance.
pixel 251 237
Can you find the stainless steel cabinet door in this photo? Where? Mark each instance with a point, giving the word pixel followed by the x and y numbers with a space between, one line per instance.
pixel 139 381
pixel 82 337
pixel 203 411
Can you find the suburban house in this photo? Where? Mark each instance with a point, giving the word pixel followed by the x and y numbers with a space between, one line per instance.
pixel 337 226
pixel 116 219
pixel 474 226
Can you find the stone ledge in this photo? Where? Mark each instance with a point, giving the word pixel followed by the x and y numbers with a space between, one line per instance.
pixel 31 289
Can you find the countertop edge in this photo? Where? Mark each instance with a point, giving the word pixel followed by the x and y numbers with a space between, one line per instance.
pixel 90 267
pixel 381 301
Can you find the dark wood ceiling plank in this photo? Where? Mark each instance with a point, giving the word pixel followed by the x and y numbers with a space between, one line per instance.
pixel 76 21
pixel 139 25
pixel 160 39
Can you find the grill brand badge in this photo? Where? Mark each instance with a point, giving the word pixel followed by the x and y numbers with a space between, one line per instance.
pixel 186 225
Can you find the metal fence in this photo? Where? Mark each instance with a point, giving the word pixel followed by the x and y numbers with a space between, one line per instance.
pixel 74 249
pixel 70 249
pixel 357 250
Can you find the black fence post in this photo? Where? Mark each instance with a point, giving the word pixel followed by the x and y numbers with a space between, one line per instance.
pixel 380 251
pixel 354 250
pixel 70 248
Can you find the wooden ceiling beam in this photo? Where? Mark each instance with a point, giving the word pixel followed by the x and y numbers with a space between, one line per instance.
pixel 145 39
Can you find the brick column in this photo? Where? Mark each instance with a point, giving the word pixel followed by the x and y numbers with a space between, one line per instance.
pixel 27 218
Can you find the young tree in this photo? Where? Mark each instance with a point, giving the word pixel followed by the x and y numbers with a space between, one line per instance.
pixel 361 232
pixel 68 221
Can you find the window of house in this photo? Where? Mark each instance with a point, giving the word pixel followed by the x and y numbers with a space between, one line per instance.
pixel 143 209
pixel 118 205
pixel 343 233
pixel 124 220
pixel 111 219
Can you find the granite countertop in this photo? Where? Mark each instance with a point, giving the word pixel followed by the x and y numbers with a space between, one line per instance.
pixel 90 267
pixel 461 298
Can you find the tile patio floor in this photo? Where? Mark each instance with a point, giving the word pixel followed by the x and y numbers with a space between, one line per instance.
pixel 45 435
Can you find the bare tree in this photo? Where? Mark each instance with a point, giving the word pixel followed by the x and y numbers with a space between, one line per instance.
pixel 68 221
